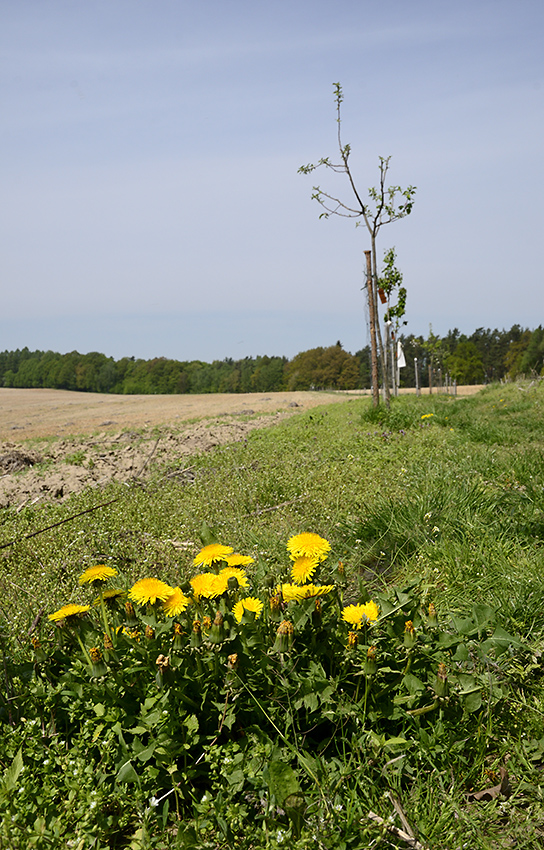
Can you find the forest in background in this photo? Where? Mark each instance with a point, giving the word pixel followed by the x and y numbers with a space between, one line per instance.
pixel 485 356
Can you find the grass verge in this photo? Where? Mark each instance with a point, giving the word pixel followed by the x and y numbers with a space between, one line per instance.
pixel 436 501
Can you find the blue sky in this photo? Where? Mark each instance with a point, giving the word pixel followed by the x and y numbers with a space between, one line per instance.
pixel 149 157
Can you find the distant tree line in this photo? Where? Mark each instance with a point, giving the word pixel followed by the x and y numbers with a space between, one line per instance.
pixel 485 356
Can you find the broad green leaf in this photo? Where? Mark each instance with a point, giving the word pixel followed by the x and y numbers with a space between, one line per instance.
pixel 237 779
pixel 138 730
pixel 461 653
pixel 126 773
pixel 295 806
pixel 483 614
pixel 395 742
pixel 501 640
pixel 12 773
pixel 464 626
pixel 472 701
pixel 445 639
pixel 412 684
pixel 146 754
pixel 191 723
pixel 468 683
pixel 311 702
pixel 404 598
pixel 282 780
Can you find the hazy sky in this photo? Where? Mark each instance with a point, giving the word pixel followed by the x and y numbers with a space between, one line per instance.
pixel 151 204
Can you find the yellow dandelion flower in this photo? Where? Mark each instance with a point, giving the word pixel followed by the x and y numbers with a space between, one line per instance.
pixel 308 545
pixel 296 592
pixel 98 573
pixel 357 615
pixel 114 593
pixel 236 560
pixel 148 590
pixel 111 596
pixel 176 603
pixel 289 592
pixel 248 604
pixel 68 612
pixel 208 585
pixel 238 574
pixel 211 554
pixel 303 569
pixel 308 591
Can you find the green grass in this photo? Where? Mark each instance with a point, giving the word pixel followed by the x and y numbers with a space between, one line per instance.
pixel 453 503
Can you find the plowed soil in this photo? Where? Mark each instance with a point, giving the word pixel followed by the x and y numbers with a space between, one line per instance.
pixel 55 443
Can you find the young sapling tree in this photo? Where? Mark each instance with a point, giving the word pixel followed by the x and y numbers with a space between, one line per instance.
pixel 385 205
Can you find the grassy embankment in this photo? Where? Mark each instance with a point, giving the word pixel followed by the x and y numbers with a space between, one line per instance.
pixel 449 506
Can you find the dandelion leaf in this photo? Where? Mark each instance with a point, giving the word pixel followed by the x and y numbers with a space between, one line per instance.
pixel 207 535
pixel 282 781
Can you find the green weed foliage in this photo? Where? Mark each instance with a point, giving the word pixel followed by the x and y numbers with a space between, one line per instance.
pixel 399 668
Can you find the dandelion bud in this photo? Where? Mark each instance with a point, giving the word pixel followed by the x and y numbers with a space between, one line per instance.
pixel 441 687
pixel 39 654
pixel 353 640
pixel 196 634
pixel 163 670
pixel 409 634
pixel 285 636
pixel 149 632
pixel 341 569
pixel 370 663
pixel 233 584
pixel 108 645
pixel 177 641
pixel 233 661
pixel 131 614
pixel 97 663
pixel 432 619
pixel 275 602
pixel 217 631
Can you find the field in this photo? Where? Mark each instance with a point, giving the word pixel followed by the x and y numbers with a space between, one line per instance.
pixel 67 441
pixel 395 701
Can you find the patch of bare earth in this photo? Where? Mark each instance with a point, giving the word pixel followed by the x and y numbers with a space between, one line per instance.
pixel 68 441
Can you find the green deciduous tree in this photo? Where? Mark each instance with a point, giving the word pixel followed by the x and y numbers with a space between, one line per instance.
pixel 323 368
